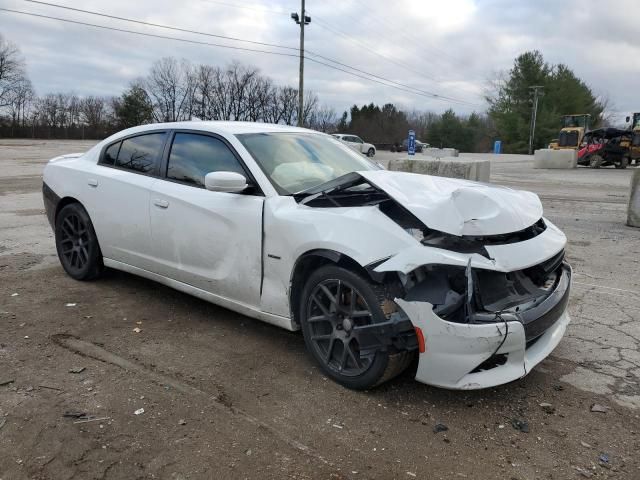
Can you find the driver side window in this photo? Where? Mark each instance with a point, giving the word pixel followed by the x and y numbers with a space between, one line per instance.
pixel 192 156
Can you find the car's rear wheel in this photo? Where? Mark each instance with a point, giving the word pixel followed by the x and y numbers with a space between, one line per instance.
pixel 624 162
pixel 335 301
pixel 371 152
pixel 77 243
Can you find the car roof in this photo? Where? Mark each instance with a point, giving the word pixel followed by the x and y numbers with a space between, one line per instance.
pixel 221 127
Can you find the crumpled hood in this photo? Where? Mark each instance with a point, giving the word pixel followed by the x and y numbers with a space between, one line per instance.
pixel 459 207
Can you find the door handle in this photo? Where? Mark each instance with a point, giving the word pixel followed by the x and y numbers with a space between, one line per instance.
pixel 161 203
pixel 92 182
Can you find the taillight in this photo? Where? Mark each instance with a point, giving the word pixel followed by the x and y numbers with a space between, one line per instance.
pixel 420 336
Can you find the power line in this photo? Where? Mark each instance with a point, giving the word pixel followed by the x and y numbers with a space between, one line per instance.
pixel 179 29
pixel 147 34
pixel 375 79
pixel 382 83
pixel 327 27
pixel 141 22
pixel 424 92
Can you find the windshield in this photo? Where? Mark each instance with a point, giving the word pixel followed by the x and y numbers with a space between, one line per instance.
pixel 298 161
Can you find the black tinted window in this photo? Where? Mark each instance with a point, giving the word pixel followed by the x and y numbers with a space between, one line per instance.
pixel 193 156
pixel 111 154
pixel 141 153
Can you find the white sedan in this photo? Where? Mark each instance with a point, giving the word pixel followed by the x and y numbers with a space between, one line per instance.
pixel 292 227
pixel 357 144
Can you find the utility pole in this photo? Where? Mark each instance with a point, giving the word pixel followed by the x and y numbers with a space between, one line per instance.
pixel 537 92
pixel 301 20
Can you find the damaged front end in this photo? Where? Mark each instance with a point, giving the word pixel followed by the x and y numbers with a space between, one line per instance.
pixel 486 302
pixel 483 328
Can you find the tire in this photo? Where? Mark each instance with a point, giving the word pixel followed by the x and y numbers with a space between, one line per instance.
pixel 328 331
pixel 624 162
pixel 77 244
pixel 371 152
pixel 596 161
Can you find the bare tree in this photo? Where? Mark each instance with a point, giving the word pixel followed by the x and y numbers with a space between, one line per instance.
pixel 324 119
pixel 11 70
pixel 287 100
pixel 93 111
pixel 171 86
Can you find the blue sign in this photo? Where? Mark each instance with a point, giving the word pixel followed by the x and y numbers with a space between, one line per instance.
pixel 411 143
pixel 497 146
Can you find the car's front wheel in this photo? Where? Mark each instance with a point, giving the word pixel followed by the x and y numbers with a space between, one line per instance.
pixel 77 243
pixel 371 152
pixel 336 301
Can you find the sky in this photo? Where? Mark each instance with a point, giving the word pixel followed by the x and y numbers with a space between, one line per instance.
pixel 451 48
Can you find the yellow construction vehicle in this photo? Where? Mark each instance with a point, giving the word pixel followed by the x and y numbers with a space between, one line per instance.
pixel 572 132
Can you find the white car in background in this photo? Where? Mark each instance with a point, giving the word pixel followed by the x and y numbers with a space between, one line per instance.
pixel 292 227
pixel 357 144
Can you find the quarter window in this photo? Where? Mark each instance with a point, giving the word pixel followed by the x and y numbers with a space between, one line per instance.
pixel 111 154
pixel 141 153
pixel 193 156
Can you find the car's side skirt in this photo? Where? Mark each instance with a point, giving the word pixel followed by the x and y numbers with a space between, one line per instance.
pixel 239 307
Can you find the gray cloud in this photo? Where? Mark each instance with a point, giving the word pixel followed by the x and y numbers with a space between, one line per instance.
pixel 452 47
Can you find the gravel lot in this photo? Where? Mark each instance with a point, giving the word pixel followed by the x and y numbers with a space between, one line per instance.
pixel 225 396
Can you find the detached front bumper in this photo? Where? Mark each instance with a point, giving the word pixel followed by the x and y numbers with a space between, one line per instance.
pixel 466 356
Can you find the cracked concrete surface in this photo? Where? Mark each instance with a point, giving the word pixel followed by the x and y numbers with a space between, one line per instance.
pixel 603 340
pixel 264 371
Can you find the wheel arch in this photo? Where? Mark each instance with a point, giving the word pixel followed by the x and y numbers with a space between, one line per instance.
pixel 310 261
pixel 64 201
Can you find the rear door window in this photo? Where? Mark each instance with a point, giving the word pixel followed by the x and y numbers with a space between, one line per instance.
pixel 193 156
pixel 141 153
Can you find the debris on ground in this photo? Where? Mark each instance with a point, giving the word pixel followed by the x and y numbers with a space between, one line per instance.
pixel 139 411
pixel 7 381
pixel 521 425
pixel 91 418
pixel 248 452
pixel 70 304
pixel 585 444
pixel 411 474
pixel 15 294
pixel 137 329
pixel 596 407
pixel 603 459
pixel 2 422
pixel 73 414
pixel 558 388
pixel 584 472
pixel 77 369
pixel 182 421
pixel 548 408
pixel 440 427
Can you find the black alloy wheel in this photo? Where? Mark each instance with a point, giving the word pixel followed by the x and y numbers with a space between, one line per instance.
pixel 77 244
pixel 334 308
pixel 335 303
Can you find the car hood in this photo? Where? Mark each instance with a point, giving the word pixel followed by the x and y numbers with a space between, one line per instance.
pixel 459 207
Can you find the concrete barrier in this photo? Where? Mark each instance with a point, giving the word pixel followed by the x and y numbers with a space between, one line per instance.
pixel 452 167
pixel 633 214
pixel 549 158
pixel 440 152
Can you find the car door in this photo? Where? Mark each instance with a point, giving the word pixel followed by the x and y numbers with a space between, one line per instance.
pixel 118 204
pixel 209 240
pixel 350 140
pixel 359 143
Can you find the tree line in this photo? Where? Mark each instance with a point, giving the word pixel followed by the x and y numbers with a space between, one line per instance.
pixel 175 90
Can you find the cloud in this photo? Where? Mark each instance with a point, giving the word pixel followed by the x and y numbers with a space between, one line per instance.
pixel 451 48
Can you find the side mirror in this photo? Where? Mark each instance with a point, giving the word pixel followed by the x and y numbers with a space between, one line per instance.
pixel 230 182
